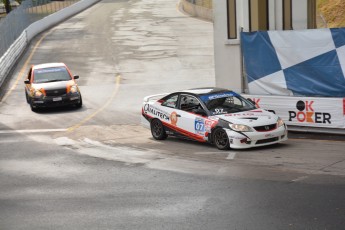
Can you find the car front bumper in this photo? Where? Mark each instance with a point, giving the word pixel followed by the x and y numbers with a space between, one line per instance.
pixel 56 101
pixel 255 139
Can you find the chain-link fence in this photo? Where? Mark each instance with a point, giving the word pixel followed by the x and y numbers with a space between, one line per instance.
pixel 203 3
pixel 13 24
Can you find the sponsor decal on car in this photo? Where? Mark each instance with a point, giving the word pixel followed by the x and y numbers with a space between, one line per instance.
pixel 199 125
pixel 209 124
pixel 204 126
pixel 156 112
pixel 239 114
pixel 173 118
pixel 247 114
pixel 216 96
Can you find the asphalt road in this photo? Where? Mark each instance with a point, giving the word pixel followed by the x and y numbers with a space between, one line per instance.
pixel 97 168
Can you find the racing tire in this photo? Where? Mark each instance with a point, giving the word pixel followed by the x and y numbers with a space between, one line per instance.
pixel 157 130
pixel 220 139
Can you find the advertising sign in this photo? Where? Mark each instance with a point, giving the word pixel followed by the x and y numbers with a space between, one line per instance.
pixel 305 111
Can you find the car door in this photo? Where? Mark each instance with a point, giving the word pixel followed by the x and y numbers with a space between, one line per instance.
pixel 189 123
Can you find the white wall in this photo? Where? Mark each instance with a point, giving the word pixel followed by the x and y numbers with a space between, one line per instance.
pixel 227 53
pixel 299 14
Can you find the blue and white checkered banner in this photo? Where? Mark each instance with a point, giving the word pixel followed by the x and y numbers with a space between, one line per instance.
pixel 295 62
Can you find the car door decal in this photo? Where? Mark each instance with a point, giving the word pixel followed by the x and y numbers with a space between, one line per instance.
pixel 199 125
pixel 184 132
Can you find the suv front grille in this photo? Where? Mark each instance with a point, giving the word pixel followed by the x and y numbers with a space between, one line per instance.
pixel 56 92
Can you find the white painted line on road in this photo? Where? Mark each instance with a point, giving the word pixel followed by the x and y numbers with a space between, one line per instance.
pixel 32 131
pixel 300 178
pixel 206 153
pixel 231 156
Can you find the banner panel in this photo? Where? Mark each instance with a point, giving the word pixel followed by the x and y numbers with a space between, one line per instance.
pixel 305 111
pixel 297 62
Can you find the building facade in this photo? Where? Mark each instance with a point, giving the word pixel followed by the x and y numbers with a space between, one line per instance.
pixel 233 16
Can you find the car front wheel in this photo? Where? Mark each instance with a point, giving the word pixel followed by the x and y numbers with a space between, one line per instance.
pixel 157 130
pixel 220 139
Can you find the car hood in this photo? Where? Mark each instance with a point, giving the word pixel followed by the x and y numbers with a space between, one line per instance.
pixel 256 117
pixel 52 85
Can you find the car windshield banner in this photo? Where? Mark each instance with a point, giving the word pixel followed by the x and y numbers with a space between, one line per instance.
pixel 51 70
pixel 209 97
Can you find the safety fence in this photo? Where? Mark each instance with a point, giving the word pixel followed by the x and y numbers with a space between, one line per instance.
pixel 29 11
pixel 31 25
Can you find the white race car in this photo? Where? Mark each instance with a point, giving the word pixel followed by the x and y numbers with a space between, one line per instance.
pixel 213 115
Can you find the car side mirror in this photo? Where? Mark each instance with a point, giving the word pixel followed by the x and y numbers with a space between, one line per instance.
pixel 76 76
pixel 200 112
pixel 27 81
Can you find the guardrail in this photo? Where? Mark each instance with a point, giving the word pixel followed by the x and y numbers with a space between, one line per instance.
pixel 26 28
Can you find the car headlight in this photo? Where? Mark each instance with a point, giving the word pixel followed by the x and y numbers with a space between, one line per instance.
pixel 73 89
pixel 240 128
pixel 280 122
pixel 39 93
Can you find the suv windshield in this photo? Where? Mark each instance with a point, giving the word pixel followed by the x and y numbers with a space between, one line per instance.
pixel 51 75
pixel 226 102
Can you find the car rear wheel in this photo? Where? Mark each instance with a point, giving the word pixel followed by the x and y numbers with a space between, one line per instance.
pixel 157 130
pixel 220 139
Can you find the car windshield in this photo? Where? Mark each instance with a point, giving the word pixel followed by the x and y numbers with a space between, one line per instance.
pixel 226 102
pixel 51 74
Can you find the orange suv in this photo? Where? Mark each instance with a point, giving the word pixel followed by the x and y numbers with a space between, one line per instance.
pixel 51 85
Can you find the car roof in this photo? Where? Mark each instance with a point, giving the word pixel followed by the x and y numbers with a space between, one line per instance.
pixel 205 90
pixel 48 65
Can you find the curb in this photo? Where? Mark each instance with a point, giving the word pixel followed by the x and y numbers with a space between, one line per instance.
pixel 195 10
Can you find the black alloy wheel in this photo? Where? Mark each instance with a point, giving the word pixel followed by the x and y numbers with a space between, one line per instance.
pixel 157 130
pixel 220 139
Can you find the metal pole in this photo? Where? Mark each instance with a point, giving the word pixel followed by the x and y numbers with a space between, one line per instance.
pixel 7 6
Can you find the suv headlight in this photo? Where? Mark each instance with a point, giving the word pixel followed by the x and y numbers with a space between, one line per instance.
pixel 39 93
pixel 280 122
pixel 72 89
pixel 240 128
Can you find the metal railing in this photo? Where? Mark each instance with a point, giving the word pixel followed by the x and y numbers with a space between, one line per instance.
pixel 13 24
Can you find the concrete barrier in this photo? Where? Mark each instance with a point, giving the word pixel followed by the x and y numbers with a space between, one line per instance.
pixel 195 10
pixel 10 57
pixel 8 60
